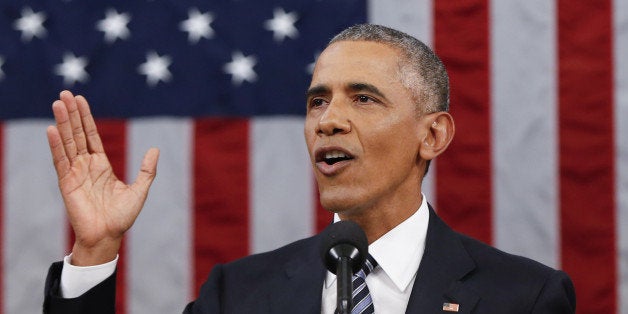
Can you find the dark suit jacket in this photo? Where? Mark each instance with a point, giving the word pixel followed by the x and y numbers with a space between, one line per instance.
pixel 454 269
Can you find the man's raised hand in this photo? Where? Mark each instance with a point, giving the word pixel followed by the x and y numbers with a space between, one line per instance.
pixel 100 207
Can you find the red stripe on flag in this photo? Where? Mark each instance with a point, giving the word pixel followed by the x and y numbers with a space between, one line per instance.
pixel 587 173
pixel 114 137
pixel 463 180
pixel 221 193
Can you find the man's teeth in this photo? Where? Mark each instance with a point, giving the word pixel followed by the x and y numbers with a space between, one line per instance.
pixel 335 154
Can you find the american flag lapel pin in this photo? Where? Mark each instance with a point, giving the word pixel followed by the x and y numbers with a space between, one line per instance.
pixel 450 307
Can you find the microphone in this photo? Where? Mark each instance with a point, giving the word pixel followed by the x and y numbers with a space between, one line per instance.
pixel 344 249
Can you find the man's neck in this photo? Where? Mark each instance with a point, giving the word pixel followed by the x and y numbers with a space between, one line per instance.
pixel 378 220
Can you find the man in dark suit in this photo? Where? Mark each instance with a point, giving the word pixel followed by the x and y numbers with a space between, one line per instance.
pixel 376 115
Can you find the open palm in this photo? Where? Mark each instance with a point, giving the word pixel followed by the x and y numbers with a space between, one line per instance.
pixel 100 207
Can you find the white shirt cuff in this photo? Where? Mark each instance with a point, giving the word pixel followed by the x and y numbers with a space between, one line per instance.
pixel 76 280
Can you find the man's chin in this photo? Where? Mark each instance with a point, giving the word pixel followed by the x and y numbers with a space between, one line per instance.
pixel 338 205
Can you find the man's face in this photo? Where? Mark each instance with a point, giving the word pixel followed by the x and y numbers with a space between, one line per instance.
pixel 362 129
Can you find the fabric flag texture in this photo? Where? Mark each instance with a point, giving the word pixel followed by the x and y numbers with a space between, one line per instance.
pixel 538 167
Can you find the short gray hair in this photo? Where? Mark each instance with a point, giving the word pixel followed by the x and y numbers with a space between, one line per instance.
pixel 421 71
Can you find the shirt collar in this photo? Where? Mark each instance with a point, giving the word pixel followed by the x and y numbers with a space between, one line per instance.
pixel 400 250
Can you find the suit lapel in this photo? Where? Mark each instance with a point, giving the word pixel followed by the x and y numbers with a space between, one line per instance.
pixel 445 262
pixel 439 279
pixel 302 282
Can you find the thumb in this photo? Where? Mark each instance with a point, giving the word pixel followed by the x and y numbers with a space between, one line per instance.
pixel 147 172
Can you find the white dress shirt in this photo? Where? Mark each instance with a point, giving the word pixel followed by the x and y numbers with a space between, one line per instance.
pixel 76 280
pixel 398 254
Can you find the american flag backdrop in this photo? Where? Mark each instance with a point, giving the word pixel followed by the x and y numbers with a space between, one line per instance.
pixel 538 167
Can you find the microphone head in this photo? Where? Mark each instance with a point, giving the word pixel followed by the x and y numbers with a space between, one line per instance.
pixel 343 239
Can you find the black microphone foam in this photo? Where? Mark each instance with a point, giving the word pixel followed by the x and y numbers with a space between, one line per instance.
pixel 344 239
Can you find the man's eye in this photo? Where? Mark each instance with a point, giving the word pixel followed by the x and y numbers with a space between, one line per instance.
pixel 317 102
pixel 363 98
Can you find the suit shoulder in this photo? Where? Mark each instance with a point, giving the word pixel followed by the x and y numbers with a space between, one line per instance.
pixel 252 283
pixel 275 259
pixel 531 284
pixel 487 256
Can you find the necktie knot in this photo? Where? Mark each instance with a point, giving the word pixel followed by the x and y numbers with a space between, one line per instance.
pixel 369 264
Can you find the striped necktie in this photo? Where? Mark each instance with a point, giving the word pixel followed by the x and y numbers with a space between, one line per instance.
pixel 362 301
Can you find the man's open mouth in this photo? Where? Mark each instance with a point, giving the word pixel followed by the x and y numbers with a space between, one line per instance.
pixel 333 156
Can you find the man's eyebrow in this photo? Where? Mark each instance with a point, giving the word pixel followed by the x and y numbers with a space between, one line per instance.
pixel 355 87
pixel 360 87
pixel 316 90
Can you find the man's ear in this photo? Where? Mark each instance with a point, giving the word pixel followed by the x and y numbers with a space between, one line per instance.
pixel 438 132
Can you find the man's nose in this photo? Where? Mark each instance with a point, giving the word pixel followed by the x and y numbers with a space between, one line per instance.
pixel 335 119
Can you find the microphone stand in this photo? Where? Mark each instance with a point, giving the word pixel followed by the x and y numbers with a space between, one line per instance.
pixel 344 285
pixel 344 248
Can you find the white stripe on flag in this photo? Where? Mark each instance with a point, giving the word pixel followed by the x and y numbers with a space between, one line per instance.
pixel 524 128
pixel 282 185
pixel 621 138
pixel 411 16
pixel 160 242
pixel 34 217
pixel 415 18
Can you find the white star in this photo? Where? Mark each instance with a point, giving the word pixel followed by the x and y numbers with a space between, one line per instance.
pixel 197 25
pixel 31 24
pixel 114 25
pixel 72 69
pixel 282 24
pixel 1 63
pixel 155 68
pixel 241 68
